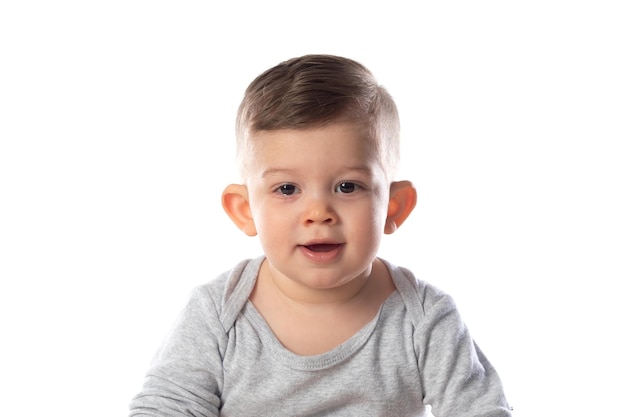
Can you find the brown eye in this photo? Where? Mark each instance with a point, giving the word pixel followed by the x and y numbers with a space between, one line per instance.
pixel 347 187
pixel 287 189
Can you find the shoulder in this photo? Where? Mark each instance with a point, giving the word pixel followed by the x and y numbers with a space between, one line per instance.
pixel 410 286
pixel 228 292
pixel 421 298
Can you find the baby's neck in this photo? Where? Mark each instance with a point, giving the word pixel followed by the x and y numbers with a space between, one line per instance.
pixel 296 293
pixel 314 322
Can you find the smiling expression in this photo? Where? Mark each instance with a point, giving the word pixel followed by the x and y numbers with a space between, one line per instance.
pixel 318 198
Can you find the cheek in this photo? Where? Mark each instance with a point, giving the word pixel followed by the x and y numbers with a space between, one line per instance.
pixel 370 218
pixel 270 221
pixel 379 208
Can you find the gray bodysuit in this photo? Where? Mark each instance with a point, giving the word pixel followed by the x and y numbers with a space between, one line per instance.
pixel 222 359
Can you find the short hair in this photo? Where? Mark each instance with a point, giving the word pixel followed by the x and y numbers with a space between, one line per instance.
pixel 313 91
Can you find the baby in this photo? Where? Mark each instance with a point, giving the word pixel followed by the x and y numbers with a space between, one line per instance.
pixel 319 325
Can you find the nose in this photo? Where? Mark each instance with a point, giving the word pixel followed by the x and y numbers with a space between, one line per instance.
pixel 318 210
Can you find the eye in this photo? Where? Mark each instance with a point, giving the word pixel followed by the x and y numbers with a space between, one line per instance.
pixel 347 187
pixel 287 189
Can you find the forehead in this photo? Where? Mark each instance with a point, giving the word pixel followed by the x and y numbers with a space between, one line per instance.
pixel 341 141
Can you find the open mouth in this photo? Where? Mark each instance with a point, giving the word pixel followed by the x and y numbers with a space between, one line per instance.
pixel 322 252
pixel 323 247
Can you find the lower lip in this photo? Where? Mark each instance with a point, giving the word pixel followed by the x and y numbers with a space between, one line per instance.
pixel 321 257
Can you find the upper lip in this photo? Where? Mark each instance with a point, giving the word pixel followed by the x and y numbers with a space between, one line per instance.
pixel 321 242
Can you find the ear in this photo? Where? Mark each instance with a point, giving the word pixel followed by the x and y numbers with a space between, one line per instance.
pixel 236 204
pixel 402 200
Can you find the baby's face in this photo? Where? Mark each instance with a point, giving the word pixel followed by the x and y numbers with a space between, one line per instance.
pixel 319 201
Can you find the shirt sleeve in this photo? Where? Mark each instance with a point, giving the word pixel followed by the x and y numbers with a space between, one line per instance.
pixel 186 375
pixel 457 379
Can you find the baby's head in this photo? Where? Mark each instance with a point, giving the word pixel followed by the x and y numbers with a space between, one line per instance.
pixel 313 91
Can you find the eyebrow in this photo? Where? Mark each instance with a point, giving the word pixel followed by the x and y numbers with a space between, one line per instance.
pixel 277 171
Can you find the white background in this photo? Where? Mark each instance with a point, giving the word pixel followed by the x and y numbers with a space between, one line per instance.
pixel 116 140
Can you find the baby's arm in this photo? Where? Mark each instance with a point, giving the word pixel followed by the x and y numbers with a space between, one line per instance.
pixel 457 379
pixel 185 378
